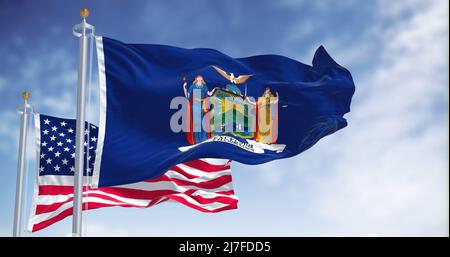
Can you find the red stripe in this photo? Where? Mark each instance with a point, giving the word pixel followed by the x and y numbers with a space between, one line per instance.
pixel 141 194
pixel 217 199
pixel 58 190
pixel 45 208
pixel 123 192
pixel 231 192
pixel 208 184
pixel 205 166
pixel 68 212
pixel 231 204
pixel 185 202
pixel 183 172
pixel 46 223
pixel 190 176
pixel 137 193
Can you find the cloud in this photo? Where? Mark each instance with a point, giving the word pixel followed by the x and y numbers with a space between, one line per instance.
pixel 63 103
pixel 270 176
pixel 387 173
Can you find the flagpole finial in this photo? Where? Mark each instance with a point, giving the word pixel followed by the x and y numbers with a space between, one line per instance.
pixel 84 13
pixel 25 95
pixel 83 28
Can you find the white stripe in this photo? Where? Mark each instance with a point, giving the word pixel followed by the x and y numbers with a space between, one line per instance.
pixel 168 185
pixel 215 161
pixel 58 180
pixel 146 186
pixel 212 194
pixel 45 216
pixel 208 206
pixel 204 178
pixel 51 199
pixel 198 172
pixel 143 203
pixel 102 122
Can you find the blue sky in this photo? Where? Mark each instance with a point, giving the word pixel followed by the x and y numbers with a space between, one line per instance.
pixel 385 174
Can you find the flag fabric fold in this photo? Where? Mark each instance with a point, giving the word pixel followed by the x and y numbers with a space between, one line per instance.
pixel 204 185
pixel 141 83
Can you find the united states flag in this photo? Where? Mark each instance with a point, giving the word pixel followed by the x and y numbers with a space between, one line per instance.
pixel 204 185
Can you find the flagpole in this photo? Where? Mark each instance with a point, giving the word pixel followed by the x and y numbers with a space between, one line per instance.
pixel 83 31
pixel 21 165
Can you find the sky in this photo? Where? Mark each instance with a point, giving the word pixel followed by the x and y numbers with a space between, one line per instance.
pixel 386 174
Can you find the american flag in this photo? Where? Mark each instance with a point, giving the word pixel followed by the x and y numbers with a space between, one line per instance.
pixel 204 184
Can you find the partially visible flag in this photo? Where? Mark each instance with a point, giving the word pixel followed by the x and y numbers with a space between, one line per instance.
pixel 204 185
pixel 164 105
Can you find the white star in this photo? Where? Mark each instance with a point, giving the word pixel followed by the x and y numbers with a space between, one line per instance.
pixel 44 144
pixel 41 169
pixel 85 143
pixel 94 139
pixel 66 149
pixel 56 168
pixel 89 158
pixel 50 149
pixel 45 132
pixel 52 138
pixel 88 170
pixel 63 124
pixel 42 155
pixel 54 128
pixel 57 154
pixel 46 121
pixel 69 140
pixel 61 134
pixel 72 155
pixel 49 161
pixel 70 130
pixel 64 161
pixel 72 169
pixel 86 132
pixel 59 143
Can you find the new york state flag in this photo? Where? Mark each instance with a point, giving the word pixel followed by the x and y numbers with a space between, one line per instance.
pixel 162 105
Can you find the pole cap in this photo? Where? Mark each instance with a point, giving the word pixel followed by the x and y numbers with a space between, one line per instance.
pixel 84 13
pixel 25 95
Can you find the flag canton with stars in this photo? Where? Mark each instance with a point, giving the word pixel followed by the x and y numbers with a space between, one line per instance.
pixel 57 146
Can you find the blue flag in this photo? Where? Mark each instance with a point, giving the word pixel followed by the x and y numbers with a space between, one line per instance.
pixel 164 105
pixel 56 146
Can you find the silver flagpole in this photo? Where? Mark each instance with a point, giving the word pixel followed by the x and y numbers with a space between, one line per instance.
pixel 83 31
pixel 21 165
